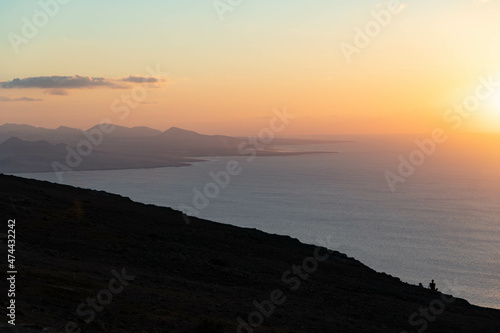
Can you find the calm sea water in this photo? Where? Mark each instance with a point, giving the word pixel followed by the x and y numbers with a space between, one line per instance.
pixel 442 223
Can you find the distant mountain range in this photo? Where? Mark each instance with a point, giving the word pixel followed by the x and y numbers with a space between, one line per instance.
pixel 25 148
pixel 68 135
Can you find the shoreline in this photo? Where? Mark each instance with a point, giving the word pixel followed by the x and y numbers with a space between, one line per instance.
pixel 182 162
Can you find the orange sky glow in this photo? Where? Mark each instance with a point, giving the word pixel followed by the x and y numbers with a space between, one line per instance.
pixel 223 72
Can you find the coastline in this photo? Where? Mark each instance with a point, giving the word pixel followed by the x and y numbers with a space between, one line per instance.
pixel 179 162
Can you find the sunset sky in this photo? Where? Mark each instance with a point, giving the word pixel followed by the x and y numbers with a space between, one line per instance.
pixel 223 72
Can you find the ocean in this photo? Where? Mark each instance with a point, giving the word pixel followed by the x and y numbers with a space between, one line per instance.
pixel 441 223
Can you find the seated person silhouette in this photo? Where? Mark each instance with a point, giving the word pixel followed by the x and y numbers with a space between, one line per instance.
pixel 432 286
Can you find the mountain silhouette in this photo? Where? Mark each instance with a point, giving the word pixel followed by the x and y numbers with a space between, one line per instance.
pixel 25 148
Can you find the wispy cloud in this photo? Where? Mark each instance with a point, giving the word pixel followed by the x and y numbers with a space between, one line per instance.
pixel 58 92
pixel 141 79
pixel 58 85
pixel 61 82
pixel 19 99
